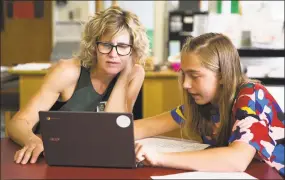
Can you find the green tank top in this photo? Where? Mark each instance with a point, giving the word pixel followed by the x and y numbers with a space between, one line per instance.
pixel 85 97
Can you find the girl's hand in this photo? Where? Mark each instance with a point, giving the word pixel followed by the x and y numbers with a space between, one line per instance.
pixel 147 156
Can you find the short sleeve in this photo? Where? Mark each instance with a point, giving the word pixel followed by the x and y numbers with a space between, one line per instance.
pixel 178 114
pixel 259 121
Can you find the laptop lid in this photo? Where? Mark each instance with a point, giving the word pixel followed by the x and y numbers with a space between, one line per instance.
pixel 96 139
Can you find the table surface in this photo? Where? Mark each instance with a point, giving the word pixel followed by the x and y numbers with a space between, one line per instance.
pixel 40 170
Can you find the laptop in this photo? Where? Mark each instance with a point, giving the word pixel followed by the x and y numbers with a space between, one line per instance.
pixel 95 139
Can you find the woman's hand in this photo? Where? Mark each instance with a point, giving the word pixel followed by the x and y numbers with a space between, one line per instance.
pixel 147 156
pixel 30 151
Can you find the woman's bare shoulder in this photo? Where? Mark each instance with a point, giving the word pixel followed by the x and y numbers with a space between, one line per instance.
pixel 65 69
pixel 70 64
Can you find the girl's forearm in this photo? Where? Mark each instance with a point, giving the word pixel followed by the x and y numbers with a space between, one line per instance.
pixel 216 159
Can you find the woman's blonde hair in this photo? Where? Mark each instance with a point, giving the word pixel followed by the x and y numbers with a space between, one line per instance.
pixel 216 53
pixel 113 21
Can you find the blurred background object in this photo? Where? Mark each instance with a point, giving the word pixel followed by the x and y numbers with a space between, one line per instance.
pixel 27 35
pixel 46 31
pixel 61 3
pixel 2 15
pixel 149 64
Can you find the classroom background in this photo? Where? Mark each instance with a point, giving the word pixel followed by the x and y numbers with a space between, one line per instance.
pixel 35 34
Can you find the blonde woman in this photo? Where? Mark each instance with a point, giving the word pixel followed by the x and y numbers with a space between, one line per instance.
pixel 105 76
pixel 236 115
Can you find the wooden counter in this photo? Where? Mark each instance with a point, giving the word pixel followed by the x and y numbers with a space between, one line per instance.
pixel 160 92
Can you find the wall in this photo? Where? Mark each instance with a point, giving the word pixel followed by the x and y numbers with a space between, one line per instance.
pixel 151 12
pixel 144 10
pixel 265 20
pixel 83 9
pixel 79 8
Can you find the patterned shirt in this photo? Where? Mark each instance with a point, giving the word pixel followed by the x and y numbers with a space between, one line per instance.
pixel 258 121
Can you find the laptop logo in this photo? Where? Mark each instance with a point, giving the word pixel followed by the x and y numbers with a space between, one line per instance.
pixel 54 139
pixel 123 121
pixel 50 118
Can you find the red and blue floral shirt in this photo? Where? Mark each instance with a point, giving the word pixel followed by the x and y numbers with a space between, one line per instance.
pixel 258 121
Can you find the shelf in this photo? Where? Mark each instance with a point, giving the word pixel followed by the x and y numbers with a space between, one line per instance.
pixel 271 81
pixel 256 52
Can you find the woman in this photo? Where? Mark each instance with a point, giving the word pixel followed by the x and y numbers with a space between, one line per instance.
pixel 227 110
pixel 103 77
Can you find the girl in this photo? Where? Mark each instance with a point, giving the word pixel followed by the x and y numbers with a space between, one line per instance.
pixel 227 110
pixel 103 77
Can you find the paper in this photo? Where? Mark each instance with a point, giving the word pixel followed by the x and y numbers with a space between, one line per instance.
pixel 4 68
pixel 277 72
pixel 206 175
pixel 32 66
pixel 257 71
pixel 164 144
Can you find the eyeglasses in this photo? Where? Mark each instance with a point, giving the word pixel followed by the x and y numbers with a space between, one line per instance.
pixel 106 48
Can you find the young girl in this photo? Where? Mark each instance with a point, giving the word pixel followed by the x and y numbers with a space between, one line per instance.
pixel 103 77
pixel 235 114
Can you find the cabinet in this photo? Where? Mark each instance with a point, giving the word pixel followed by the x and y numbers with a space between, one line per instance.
pixel 23 39
pixel 160 93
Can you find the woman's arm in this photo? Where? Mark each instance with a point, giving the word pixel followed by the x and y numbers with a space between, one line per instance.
pixel 155 125
pixel 235 157
pixel 123 97
pixel 20 128
pixel 126 90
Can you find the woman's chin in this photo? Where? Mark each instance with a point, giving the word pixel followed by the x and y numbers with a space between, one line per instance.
pixel 112 71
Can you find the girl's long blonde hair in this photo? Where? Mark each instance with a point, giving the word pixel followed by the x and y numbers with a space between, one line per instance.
pixel 217 53
pixel 113 21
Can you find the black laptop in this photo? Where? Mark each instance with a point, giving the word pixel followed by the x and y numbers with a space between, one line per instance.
pixel 95 139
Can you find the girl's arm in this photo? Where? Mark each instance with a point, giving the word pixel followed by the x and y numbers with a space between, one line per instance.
pixel 155 125
pixel 235 157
